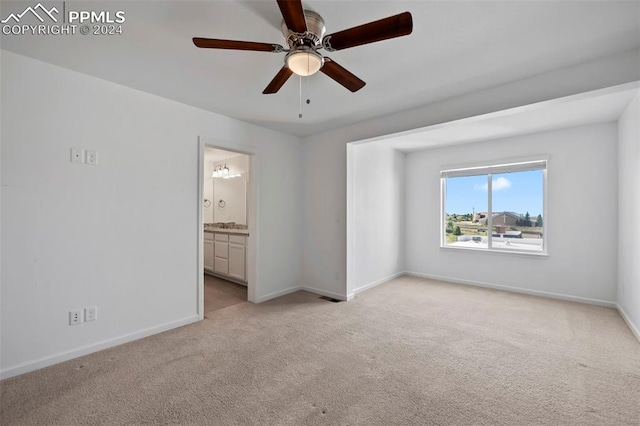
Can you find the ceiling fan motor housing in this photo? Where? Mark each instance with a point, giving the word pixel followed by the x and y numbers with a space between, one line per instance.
pixel 310 38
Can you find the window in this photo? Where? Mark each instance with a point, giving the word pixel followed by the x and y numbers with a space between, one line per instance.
pixel 498 207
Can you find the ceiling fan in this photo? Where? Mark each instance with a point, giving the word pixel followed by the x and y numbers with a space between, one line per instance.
pixel 304 31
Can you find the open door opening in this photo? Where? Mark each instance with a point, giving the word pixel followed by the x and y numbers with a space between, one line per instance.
pixel 226 252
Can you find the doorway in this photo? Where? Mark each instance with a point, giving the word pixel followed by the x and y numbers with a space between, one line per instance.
pixel 226 219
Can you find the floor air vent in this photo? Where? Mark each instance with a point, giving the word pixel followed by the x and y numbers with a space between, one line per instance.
pixel 330 299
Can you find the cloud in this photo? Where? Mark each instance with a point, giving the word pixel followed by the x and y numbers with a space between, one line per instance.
pixel 501 183
pixel 496 185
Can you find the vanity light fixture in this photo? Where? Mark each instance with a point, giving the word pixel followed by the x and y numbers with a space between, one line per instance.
pixel 223 172
pixel 220 171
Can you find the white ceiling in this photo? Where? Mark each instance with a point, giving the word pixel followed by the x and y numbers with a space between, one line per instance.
pixel 600 106
pixel 456 47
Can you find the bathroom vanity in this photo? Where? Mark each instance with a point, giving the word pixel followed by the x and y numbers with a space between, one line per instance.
pixel 225 253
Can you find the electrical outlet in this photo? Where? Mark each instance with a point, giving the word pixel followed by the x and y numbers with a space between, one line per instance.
pixel 75 317
pixel 76 155
pixel 92 158
pixel 90 313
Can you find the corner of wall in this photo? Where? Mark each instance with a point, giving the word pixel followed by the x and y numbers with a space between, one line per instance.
pixel 634 329
pixel 628 280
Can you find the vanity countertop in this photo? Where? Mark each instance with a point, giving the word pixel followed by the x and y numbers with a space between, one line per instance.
pixel 227 231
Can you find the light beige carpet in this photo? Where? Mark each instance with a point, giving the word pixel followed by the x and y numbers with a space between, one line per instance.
pixel 411 351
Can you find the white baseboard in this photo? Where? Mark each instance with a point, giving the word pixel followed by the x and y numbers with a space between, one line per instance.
pixel 376 283
pixel 85 350
pixel 551 295
pixel 322 292
pixel 627 319
pixel 310 289
pixel 278 293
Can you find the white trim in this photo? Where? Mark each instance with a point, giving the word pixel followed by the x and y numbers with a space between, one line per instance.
pixel 494 251
pixel 627 319
pixel 278 293
pixel 322 292
pixel 522 166
pixel 85 350
pixel 489 212
pixel 200 231
pixel 540 293
pixel 253 214
pixel 477 164
pixel 309 289
pixel 351 219
pixel 253 210
pixel 443 214
pixel 545 208
pixel 374 284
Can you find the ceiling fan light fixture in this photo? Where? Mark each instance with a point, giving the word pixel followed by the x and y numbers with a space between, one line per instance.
pixel 304 32
pixel 304 62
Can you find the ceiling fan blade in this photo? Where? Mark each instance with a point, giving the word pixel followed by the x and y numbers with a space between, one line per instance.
pixel 341 75
pixel 213 43
pixel 391 27
pixel 277 82
pixel 293 15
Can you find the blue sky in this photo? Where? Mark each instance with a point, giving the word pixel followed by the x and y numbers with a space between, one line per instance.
pixel 518 192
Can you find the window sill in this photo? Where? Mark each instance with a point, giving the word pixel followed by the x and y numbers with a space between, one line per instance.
pixel 540 254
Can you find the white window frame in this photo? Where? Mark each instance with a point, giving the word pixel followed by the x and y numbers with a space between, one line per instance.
pixel 489 171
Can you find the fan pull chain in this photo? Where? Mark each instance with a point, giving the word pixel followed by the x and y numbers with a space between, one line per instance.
pixel 300 97
pixel 308 68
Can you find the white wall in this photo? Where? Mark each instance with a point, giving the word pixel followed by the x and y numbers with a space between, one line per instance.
pixel 580 226
pixel 629 214
pixel 324 156
pixel 76 235
pixel 376 217
pixel 325 214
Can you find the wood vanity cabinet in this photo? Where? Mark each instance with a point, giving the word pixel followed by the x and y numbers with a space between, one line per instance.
pixel 225 256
